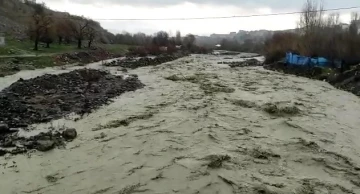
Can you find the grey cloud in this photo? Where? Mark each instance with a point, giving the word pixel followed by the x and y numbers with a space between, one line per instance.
pixel 275 4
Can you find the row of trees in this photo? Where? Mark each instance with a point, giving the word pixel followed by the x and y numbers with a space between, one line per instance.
pixel 318 35
pixel 160 38
pixel 48 27
pixel 45 27
pixel 248 45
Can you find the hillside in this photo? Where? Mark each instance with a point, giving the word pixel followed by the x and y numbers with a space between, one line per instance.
pixel 256 36
pixel 15 16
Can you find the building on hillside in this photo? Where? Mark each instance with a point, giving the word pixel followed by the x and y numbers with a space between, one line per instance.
pixel 346 26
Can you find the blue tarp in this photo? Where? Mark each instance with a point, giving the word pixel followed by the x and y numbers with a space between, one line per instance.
pixel 294 59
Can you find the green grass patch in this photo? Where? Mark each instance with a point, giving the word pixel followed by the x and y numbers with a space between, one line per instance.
pixel 115 48
pixel 9 66
pixel 26 47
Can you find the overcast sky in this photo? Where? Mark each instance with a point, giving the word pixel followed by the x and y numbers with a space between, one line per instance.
pixel 124 9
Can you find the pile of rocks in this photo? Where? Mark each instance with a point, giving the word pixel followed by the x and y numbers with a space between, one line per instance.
pixel 12 143
pixel 83 57
pixel 247 63
pixel 349 80
pixel 49 97
pixel 134 62
pixel 310 72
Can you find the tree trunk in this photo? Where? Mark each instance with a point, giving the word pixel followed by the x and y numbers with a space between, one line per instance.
pixel 79 43
pixel 48 45
pixel 60 40
pixel 89 43
pixel 67 40
pixel 36 44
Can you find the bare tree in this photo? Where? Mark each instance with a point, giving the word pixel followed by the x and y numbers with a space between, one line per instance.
pixel 40 24
pixel 310 26
pixel 91 35
pixel 178 38
pixel 311 16
pixel 79 29
pixel 49 36
pixel 161 38
pixel 189 41
pixel 354 26
pixel 63 29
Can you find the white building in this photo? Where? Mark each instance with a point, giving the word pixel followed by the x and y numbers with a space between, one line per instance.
pixel 346 26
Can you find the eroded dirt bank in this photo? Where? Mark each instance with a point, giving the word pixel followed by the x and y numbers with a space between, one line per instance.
pixel 203 127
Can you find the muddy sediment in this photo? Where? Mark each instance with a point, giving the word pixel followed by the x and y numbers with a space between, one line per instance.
pixel 184 133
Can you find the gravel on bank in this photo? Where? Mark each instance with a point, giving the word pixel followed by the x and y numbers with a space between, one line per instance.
pixel 49 97
pixel 134 62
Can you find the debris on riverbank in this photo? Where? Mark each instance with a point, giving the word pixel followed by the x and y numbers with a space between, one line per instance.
pixel 246 63
pixel 84 57
pixel 133 62
pixel 49 97
pixel 13 143
pixel 348 80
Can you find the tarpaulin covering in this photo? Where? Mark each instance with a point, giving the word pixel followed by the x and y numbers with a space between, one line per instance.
pixel 294 59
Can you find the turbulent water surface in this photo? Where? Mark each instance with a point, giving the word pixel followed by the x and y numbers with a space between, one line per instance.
pixel 202 127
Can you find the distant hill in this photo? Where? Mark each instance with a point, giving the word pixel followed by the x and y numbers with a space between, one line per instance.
pixel 15 16
pixel 257 36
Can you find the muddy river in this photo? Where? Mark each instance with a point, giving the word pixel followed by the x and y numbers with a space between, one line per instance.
pixel 201 127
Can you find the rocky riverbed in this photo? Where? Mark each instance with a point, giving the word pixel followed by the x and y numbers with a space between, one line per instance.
pixel 202 127
pixel 50 97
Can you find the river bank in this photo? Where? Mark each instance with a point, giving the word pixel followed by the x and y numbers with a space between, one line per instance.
pixel 348 80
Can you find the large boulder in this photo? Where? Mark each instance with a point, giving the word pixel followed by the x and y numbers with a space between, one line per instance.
pixel 69 134
pixel 4 128
pixel 45 145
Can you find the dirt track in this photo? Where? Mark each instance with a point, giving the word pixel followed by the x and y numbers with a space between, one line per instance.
pixel 202 127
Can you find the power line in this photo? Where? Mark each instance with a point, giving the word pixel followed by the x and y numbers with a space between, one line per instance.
pixel 207 18
pixel 227 17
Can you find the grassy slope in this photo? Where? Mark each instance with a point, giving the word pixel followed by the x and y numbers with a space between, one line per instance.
pixel 45 57
pixel 15 47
